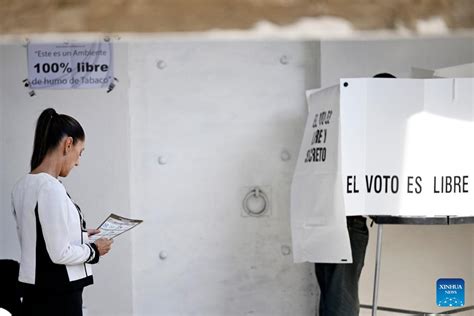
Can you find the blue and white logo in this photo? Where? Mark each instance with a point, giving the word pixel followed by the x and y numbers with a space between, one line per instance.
pixel 450 292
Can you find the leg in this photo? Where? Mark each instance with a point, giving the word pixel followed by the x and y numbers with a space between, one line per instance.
pixel 339 283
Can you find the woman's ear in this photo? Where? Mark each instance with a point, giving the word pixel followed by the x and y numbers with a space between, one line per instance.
pixel 68 142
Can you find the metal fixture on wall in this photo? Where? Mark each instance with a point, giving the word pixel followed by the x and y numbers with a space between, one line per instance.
pixel 163 255
pixel 285 155
pixel 162 160
pixel 258 196
pixel 161 64
pixel 284 60
pixel 285 250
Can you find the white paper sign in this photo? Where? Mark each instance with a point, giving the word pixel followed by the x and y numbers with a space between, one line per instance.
pixel 70 65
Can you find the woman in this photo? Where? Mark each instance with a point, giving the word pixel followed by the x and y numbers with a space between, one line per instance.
pixel 55 249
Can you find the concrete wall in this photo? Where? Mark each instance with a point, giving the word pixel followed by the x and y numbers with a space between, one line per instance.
pixel 221 114
pixel 4 232
pixel 364 58
pixel 8 234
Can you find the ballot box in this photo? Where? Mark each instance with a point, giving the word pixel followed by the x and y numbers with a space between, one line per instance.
pixel 373 146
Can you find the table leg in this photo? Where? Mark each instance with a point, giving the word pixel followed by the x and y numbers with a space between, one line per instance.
pixel 378 258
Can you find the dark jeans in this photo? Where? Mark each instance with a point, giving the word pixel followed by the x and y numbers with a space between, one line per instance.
pixel 339 283
pixel 47 303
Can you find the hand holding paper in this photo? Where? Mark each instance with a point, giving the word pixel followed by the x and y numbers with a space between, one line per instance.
pixel 92 231
pixel 113 226
pixel 103 245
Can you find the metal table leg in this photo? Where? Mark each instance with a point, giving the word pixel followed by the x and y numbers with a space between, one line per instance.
pixel 378 258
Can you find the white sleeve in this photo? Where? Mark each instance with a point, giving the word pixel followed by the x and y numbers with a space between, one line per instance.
pixel 16 218
pixel 52 213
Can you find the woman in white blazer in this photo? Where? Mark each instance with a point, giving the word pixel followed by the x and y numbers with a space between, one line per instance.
pixel 55 250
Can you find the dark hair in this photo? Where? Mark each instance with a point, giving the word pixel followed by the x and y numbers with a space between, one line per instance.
pixel 50 129
pixel 384 75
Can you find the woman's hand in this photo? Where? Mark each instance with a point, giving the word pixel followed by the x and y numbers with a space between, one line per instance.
pixel 92 231
pixel 103 245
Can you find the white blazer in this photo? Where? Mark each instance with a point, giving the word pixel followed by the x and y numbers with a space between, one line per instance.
pixel 55 249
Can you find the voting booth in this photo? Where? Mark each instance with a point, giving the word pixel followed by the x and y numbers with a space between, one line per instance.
pixel 396 147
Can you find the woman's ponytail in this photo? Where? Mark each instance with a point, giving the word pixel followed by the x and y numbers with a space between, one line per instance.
pixel 50 129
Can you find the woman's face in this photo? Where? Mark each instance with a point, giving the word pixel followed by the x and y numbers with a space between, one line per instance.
pixel 72 155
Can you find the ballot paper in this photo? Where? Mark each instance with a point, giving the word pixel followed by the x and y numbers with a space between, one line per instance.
pixel 113 226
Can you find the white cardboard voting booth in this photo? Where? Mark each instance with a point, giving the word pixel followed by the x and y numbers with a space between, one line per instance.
pixel 399 147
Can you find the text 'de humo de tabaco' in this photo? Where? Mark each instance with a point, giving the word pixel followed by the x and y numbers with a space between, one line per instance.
pixel 70 65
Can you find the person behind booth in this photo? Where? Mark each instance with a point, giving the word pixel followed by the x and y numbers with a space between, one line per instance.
pixel 55 250
pixel 339 283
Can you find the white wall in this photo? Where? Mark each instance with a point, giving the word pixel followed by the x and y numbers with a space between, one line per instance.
pixel 5 217
pixel 100 185
pixel 364 58
pixel 413 257
pixel 9 244
pixel 221 113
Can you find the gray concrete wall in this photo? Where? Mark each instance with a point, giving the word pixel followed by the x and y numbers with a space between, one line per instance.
pixel 221 114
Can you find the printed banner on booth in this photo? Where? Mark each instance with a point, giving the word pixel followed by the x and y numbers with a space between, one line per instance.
pixel 70 65
pixel 405 146
pixel 318 219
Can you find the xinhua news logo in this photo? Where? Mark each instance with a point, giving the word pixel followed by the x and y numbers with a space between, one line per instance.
pixel 450 292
